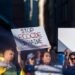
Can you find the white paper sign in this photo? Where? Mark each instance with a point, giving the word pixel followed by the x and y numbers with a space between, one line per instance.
pixel 30 38
pixel 67 37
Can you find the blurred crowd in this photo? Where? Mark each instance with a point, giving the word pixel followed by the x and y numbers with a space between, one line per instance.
pixel 46 62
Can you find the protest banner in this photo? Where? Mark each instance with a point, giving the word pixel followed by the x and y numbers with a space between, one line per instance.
pixel 30 38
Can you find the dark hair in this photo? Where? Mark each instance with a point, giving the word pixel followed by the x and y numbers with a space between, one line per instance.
pixel 1 51
pixel 42 55
pixel 7 49
pixel 72 53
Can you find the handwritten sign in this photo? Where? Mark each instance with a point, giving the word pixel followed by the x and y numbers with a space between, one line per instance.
pixel 30 38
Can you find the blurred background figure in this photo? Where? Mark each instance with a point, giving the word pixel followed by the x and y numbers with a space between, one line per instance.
pixel 66 56
pixel 29 67
pixel 38 57
pixel 31 59
pixel 67 52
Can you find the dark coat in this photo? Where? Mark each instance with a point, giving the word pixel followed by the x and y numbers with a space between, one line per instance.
pixel 69 70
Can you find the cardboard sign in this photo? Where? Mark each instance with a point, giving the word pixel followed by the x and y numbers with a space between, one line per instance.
pixel 30 38
pixel 67 38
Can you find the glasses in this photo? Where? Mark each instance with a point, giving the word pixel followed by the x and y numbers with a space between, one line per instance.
pixel 72 58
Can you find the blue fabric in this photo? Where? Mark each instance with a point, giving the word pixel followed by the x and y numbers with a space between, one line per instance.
pixel 29 68
pixel 60 58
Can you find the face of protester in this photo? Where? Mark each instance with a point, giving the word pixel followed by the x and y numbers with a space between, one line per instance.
pixel 8 55
pixel 32 61
pixel 46 58
pixel 73 59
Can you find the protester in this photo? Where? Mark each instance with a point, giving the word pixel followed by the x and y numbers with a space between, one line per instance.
pixel 8 60
pixel 67 52
pixel 45 67
pixel 70 69
pixel 30 64
pixel 31 59
pixel 66 57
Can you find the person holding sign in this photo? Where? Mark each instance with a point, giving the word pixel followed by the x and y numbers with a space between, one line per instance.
pixel 30 64
pixel 20 62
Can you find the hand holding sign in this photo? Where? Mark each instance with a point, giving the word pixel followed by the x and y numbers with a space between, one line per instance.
pixel 49 49
pixel 20 61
